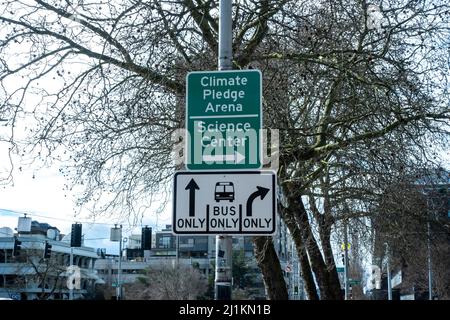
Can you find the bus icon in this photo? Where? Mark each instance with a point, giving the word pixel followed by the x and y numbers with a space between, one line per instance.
pixel 224 191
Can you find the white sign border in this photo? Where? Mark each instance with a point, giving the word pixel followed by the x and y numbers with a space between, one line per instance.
pixel 239 172
pixel 187 154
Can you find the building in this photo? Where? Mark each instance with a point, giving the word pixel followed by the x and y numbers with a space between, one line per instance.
pixel 170 249
pixel 26 273
pixel 200 251
pixel 134 241
pixel 411 277
pixel 37 265
pixel 420 258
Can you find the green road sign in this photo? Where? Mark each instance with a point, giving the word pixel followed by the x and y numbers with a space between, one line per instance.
pixel 354 282
pixel 340 269
pixel 223 120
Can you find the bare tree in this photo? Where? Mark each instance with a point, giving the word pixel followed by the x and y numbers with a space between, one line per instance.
pixel 46 275
pixel 402 219
pixel 371 102
pixel 100 87
pixel 167 282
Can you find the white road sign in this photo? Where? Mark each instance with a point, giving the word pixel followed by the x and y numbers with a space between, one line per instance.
pixel 229 202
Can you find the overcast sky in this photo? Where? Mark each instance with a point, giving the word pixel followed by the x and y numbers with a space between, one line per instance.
pixel 44 200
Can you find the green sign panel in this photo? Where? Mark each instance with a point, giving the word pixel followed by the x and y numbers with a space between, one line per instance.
pixel 354 282
pixel 340 269
pixel 223 120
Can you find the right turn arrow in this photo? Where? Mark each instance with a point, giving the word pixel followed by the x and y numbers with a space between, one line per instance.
pixel 260 193
pixel 192 186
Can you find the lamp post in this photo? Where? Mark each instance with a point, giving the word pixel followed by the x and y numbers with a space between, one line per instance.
pixel 119 271
pixel 388 272
pixel 346 264
pixel 116 236
pixel 430 274
pixel 71 264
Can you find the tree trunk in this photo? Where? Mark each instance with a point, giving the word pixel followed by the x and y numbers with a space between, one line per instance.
pixel 310 286
pixel 333 278
pixel 315 256
pixel 325 225
pixel 268 262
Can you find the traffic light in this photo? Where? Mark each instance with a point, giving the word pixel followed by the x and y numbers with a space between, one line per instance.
pixel 343 259
pixel 75 235
pixel 146 238
pixel 17 246
pixel 47 250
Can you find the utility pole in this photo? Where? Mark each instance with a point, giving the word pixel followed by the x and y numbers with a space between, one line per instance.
pixel 71 264
pixel 224 243
pixel 177 250
pixel 346 283
pixel 207 267
pixel 119 271
pixel 430 275
pixel 116 235
pixel 388 268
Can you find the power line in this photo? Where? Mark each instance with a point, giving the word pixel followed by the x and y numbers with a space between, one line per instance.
pixel 76 220
pixel 36 215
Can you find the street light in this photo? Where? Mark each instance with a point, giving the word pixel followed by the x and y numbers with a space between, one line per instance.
pixel 388 272
pixel 346 264
pixel 116 236
pixel 430 274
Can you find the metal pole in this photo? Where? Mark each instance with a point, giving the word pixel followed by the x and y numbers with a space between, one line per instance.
pixel 222 287
pixel 71 264
pixel 177 253
pixel 6 261
pixel 223 268
pixel 388 272
pixel 225 35
pixel 347 289
pixel 207 268
pixel 301 288
pixel 430 275
pixel 293 271
pixel 119 285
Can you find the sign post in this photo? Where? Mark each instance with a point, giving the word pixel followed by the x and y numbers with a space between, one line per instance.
pixel 223 133
pixel 224 243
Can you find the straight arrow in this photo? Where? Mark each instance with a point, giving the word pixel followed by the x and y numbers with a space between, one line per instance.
pixel 192 186
pixel 260 193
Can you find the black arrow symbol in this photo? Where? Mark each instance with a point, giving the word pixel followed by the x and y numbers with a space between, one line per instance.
pixel 260 193
pixel 192 186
